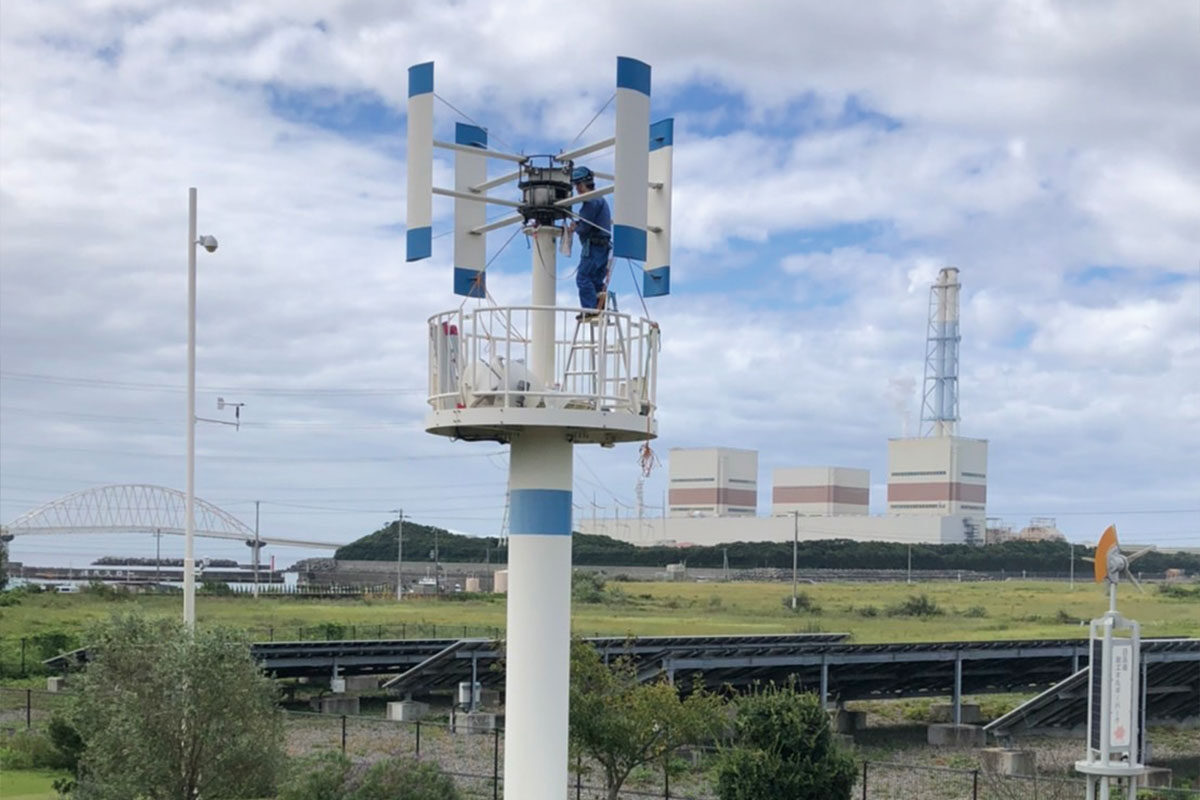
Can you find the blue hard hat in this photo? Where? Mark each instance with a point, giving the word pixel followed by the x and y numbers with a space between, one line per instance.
pixel 581 175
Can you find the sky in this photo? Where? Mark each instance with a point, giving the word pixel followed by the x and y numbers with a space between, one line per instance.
pixel 829 159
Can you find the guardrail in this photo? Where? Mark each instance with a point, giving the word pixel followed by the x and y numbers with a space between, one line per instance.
pixel 482 358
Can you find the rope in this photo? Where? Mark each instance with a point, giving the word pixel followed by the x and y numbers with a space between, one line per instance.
pixel 456 110
pixel 479 277
pixel 585 127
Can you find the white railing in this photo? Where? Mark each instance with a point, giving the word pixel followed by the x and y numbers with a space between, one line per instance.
pixel 481 358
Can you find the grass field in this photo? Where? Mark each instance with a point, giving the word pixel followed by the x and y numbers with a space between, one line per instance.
pixel 29 784
pixel 969 611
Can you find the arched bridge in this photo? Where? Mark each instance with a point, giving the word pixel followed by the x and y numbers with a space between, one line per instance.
pixel 138 508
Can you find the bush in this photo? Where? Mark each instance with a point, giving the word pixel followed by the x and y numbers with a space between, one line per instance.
pixel 321 777
pixel 32 750
pixel 327 630
pixel 217 588
pixel 66 741
pixel 48 644
pixel 587 587
pixel 868 611
pixel 975 612
pixel 803 603
pixel 1179 591
pixel 403 779
pixel 784 747
pixel 917 605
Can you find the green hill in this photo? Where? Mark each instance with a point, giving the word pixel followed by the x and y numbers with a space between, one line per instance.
pixel 595 550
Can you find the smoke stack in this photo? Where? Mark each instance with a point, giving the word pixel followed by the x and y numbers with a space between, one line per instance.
pixel 939 408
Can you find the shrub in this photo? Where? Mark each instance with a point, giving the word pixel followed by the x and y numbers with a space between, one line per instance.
pixel 784 747
pixel 868 611
pixel 804 602
pixel 32 750
pixel 327 630
pixel 321 777
pixel 403 779
pixel 48 644
pixel 975 612
pixel 1063 618
pixel 66 741
pixel 587 587
pixel 917 605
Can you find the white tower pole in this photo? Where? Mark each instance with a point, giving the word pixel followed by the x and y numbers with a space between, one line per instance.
pixel 537 655
pixel 189 558
pixel 541 323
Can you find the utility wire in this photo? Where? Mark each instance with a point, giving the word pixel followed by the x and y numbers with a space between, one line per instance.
pixel 585 127
pixel 456 110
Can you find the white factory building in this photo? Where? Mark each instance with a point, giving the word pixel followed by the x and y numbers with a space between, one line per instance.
pixel 710 500
pixel 936 483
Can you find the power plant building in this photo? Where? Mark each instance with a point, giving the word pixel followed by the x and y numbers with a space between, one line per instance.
pixel 713 482
pixel 820 491
pixel 936 483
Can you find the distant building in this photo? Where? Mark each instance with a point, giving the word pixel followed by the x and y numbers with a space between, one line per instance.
pixel 820 491
pixel 940 475
pixel 713 482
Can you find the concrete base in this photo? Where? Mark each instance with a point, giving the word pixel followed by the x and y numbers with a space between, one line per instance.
pixel 407 710
pixel 475 722
pixel 56 683
pixel 950 735
pixel 844 741
pixel 944 712
pixel 848 721
pixel 338 704
pixel 362 683
pixel 1003 761
pixel 1156 778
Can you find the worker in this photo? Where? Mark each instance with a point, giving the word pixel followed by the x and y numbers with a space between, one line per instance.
pixel 594 226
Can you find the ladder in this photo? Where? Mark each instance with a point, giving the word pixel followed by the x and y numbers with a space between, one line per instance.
pixel 588 353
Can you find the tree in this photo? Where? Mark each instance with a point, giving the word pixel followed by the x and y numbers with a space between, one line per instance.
pixel 165 715
pixel 623 724
pixel 784 750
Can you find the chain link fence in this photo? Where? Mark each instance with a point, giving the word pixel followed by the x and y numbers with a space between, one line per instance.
pixel 474 757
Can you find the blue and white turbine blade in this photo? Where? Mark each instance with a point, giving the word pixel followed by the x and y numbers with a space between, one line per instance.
pixel 657 278
pixel 632 159
pixel 419 220
pixel 470 249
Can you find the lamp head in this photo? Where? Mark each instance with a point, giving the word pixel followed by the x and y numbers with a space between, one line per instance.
pixel 209 243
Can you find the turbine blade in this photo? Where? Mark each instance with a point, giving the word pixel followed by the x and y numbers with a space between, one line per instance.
pixel 1108 541
pixel 1134 580
pixel 1139 554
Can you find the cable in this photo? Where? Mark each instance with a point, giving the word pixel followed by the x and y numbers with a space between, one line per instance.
pixel 585 127
pixel 168 387
pixel 456 110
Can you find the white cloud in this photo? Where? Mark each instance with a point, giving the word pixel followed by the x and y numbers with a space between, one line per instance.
pixel 1035 140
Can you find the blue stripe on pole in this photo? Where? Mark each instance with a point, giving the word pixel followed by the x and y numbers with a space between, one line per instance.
pixel 470 282
pixel 419 244
pixel 662 134
pixel 633 74
pixel 470 135
pixel 629 242
pixel 656 282
pixel 539 512
pixel 420 79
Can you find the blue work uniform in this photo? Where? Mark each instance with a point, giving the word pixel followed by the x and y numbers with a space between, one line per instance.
pixel 594 228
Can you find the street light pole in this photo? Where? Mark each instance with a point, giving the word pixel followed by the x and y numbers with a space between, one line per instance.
pixel 399 553
pixel 1072 566
pixel 256 547
pixel 795 549
pixel 189 556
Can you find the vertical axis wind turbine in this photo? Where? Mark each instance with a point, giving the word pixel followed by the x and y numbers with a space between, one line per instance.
pixel 542 378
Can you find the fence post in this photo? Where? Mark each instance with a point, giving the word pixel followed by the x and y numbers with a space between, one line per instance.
pixel 495 764
pixel 300 633
pixel 418 739
pixel 22 656
pixel 667 776
pixel 271 633
pixel 29 708
pixel 343 734
pixel 974 784
pixel 578 776
pixel 379 634
pixel 864 779
pixel 403 630
pixel 354 632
